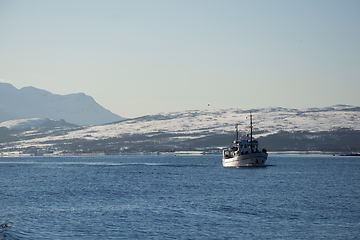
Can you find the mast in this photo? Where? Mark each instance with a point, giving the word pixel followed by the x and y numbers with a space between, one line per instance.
pixel 237 132
pixel 251 132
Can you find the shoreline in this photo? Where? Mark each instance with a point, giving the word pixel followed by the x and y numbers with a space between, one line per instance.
pixel 159 153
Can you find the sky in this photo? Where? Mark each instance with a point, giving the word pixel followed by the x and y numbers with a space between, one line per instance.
pixel 137 58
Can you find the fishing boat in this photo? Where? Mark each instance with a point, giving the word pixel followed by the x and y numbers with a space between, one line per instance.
pixel 244 152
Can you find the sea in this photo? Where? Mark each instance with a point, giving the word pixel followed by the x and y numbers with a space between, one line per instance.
pixel 179 197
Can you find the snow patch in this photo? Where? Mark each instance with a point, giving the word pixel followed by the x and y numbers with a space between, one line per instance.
pixel 35 123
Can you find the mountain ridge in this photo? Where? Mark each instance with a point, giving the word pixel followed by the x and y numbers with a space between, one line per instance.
pixel 30 102
pixel 334 128
pixel 34 123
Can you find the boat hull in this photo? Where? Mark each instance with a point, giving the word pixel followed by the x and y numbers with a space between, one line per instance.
pixel 251 159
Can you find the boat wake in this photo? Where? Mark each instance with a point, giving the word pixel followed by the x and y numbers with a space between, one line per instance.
pixel 253 166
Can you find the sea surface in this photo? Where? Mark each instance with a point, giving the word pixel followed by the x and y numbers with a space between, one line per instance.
pixel 179 197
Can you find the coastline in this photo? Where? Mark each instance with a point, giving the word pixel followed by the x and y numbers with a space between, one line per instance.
pixel 182 153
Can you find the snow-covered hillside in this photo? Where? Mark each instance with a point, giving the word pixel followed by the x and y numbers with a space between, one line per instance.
pixel 30 102
pixel 193 128
pixel 266 121
pixel 35 123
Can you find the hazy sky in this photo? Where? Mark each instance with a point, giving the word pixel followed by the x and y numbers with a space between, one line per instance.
pixel 146 57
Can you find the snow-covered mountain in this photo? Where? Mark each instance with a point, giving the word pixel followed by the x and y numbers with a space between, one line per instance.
pixel 30 102
pixel 34 123
pixel 327 129
pixel 266 121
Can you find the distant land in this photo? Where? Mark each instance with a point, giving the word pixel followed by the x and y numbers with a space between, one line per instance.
pixel 334 129
pixel 31 102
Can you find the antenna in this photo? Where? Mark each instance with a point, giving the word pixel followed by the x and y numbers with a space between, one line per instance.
pixel 251 132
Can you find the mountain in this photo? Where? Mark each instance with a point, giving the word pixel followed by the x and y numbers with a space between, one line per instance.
pixel 30 102
pixel 335 129
pixel 34 123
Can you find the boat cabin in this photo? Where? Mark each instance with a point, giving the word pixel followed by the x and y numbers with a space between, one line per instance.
pixel 244 146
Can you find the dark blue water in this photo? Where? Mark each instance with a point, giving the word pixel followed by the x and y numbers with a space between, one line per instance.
pixel 179 197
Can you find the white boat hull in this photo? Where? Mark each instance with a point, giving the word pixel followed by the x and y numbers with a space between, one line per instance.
pixel 251 159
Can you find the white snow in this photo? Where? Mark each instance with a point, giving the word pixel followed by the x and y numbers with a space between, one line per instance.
pixel 197 123
pixel 34 123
